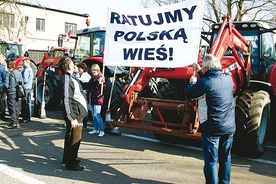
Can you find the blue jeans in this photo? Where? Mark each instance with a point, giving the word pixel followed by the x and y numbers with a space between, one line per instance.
pixel 217 149
pixel 97 118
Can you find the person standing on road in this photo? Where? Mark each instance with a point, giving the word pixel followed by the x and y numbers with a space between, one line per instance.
pixel 26 102
pixel 84 76
pixel 95 99
pixel 12 78
pixel 74 110
pixel 219 128
pixel 2 90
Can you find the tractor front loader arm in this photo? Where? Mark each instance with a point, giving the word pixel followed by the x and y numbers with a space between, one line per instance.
pixel 177 116
pixel 135 111
pixel 228 38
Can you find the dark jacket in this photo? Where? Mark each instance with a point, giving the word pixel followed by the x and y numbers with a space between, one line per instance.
pixel 93 88
pixel 218 88
pixel 10 83
pixel 73 98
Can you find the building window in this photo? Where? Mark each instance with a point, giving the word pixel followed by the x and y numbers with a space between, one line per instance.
pixel 72 26
pixel 40 24
pixel 7 20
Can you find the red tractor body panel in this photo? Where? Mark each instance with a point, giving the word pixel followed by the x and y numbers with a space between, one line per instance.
pixel 272 77
pixel 49 63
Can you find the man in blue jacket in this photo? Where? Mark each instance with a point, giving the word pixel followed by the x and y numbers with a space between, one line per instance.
pixel 217 131
pixel 27 76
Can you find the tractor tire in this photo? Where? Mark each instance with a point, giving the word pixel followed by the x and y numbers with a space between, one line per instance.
pixel 168 91
pixel 116 100
pixel 51 98
pixel 252 122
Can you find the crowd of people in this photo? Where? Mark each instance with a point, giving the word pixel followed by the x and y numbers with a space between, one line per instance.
pixel 214 91
pixel 10 78
pixel 82 92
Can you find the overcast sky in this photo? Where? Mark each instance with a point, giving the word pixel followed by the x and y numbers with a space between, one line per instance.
pixel 97 9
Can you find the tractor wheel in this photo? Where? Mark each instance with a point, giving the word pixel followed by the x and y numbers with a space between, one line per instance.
pixel 51 98
pixel 252 121
pixel 116 100
pixel 167 92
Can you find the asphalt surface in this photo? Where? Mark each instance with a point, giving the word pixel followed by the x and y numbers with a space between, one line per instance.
pixel 33 154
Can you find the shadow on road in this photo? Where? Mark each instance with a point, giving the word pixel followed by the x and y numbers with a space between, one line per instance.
pixel 37 147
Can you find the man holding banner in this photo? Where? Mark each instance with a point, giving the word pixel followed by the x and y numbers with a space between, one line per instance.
pixel 217 118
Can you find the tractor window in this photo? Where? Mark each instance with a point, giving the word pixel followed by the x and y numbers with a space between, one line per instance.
pixel 99 40
pixel 58 53
pixel 3 48
pixel 70 52
pixel 82 47
pixel 267 46
pixel 252 37
pixel 14 52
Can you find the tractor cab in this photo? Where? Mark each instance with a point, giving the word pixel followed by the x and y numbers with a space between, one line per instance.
pixel 89 48
pixel 90 43
pixel 11 50
pixel 260 36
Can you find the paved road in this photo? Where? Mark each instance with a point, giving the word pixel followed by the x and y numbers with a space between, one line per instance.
pixel 33 154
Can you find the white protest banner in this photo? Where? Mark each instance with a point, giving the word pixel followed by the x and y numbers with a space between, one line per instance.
pixel 166 36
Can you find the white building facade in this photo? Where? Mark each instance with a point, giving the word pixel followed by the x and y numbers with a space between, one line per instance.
pixel 38 28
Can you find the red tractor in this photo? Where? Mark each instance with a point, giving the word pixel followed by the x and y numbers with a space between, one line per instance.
pixel 89 48
pixel 49 66
pixel 174 116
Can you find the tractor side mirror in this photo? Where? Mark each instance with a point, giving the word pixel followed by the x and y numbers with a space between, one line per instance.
pixel 60 40
pixel 8 47
pixel 26 54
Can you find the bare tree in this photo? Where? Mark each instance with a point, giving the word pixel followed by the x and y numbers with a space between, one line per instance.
pixel 10 24
pixel 238 10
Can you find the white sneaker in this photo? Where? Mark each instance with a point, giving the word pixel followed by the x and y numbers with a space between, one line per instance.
pixel 94 132
pixel 101 134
